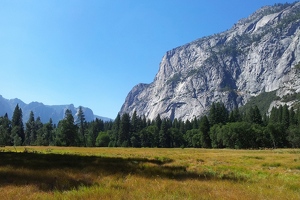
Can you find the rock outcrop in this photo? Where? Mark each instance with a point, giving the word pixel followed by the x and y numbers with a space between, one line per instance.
pixel 258 54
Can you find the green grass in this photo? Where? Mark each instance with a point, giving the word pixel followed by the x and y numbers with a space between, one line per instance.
pixel 127 173
pixel 263 101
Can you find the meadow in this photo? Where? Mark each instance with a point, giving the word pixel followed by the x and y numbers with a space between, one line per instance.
pixel 148 173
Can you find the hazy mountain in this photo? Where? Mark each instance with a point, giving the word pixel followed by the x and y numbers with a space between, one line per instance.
pixel 258 54
pixel 45 112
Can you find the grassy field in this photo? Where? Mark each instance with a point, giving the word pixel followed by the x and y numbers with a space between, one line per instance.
pixel 127 173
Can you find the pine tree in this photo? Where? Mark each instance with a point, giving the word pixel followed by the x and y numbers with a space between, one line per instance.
pixel 115 131
pixel 124 132
pixel 48 130
pixel 213 114
pixel 234 115
pixel 81 124
pixel 135 123
pixel 293 120
pixel 254 115
pixel 30 131
pixel 158 121
pixel 218 114
pixel 5 130
pixel 93 130
pixel 280 112
pixel 176 138
pixel 18 135
pixel 274 115
pixel 204 129
pixel 67 130
pixel 188 125
pixel 285 116
pixel 195 123
pixel 40 137
pixel 164 139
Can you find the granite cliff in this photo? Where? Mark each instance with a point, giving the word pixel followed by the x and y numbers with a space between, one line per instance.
pixel 258 54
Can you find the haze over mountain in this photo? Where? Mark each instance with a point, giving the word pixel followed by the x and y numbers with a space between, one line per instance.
pixel 258 54
pixel 45 112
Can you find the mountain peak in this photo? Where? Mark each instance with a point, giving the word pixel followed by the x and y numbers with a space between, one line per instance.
pixel 256 55
pixel 45 112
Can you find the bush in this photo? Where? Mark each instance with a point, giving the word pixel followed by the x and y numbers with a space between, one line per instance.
pixel 102 140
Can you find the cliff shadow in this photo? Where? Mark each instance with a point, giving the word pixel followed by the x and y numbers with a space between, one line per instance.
pixel 66 171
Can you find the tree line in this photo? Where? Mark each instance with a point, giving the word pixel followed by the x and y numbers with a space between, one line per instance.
pixel 218 129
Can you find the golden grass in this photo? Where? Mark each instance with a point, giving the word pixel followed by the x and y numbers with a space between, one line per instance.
pixel 127 173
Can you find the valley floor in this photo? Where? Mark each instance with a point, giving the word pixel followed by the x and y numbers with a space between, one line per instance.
pixel 145 173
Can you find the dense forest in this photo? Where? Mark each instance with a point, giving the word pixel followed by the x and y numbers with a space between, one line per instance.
pixel 218 129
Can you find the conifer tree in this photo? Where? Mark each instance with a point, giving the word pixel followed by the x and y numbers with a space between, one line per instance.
pixel 254 115
pixel 218 114
pixel 30 131
pixel 40 137
pixel 81 124
pixel 292 114
pixel 115 131
pixel 134 122
pixel 204 129
pixel 5 130
pixel 222 113
pixel 48 130
pixel 124 132
pixel 67 130
pixel 213 114
pixel 18 135
pixel 163 135
pixel 274 115
pixel 158 121
pixel 285 116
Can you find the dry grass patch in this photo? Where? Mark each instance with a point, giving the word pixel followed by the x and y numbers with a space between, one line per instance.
pixel 126 173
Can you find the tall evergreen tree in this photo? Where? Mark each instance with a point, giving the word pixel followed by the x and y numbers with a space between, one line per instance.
pixel 274 115
pixel 18 135
pixel 164 139
pixel 82 128
pixel 124 132
pixel 48 131
pixel 235 115
pixel 188 125
pixel 204 129
pixel 94 128
pixel 30 131
pixel 115 131
pixel 293 120
pixel 134 123
pixel 254 115
pixel 5 130
pixel 218 114
pixel 213 114
pixel 285 116
pixel 158 121
pixel 195 123
pixel 280 112
pixel 67 130
pixel 40 137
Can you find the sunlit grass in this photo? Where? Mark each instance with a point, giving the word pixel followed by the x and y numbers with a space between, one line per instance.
pixel 127 173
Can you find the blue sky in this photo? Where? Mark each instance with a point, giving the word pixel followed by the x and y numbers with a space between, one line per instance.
pixel 92 52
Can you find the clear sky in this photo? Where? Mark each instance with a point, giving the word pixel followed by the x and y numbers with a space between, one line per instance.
pixel 92 52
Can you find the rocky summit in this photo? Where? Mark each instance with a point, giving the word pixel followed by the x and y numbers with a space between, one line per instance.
pixel 45 112
pixel 258 54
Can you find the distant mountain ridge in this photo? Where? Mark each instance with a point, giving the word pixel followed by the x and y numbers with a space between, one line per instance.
pixel 45 112
pixel 258 54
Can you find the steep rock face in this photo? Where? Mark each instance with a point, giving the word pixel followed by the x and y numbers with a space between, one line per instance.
pixel 258 54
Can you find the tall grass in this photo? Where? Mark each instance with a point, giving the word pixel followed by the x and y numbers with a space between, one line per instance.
pixel 126 173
